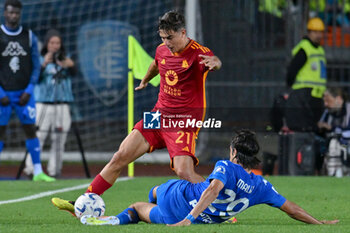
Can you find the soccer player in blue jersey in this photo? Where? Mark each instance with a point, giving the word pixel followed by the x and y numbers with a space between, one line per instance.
pixel 230 189
pixel 19 71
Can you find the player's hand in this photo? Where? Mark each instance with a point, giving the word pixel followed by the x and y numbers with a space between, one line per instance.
pixel 330 221
pixel 5 101
pixel 141 86
pixel 212 62
pixel 185 222
pixel 24 99
pixel 48 58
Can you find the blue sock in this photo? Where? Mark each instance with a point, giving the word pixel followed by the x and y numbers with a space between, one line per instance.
pixel 33 147
pixel 151 199
pixel 125 218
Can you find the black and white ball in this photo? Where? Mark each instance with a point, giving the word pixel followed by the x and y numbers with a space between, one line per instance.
pixel 89 204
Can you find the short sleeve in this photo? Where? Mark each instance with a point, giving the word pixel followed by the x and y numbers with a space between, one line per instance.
pixel 220 172
pixel 270 195
pixel 156 56
pixel 204 51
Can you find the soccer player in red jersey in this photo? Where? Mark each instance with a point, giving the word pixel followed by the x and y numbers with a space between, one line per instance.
pixel 183 65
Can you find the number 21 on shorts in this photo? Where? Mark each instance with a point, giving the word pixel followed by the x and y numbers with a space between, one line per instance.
pixel 188 139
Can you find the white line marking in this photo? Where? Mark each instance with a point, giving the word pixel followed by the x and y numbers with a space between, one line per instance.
pixel 48 193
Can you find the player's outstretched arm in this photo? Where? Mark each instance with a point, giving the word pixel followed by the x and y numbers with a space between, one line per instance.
pixel 212 62
pixel 296 212
pixel 208 196
pixel 151 73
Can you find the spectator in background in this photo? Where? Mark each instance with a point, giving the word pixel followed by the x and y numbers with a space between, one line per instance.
pixel 335 122
pixel 346 10
pixel 19 71
pixel 317 8
pixel 307 77
pixel 271 23
pixel 331 11
pixel 53 94
pixel 272 7
pixel 336 11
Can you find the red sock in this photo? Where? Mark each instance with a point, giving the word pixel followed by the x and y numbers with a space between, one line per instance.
pixel 98 185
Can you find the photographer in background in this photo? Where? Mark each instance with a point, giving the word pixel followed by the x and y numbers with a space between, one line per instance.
pixel 53 93
pixel 335 124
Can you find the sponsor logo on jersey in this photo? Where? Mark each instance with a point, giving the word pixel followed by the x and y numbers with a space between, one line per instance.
pixel 220 169
pixel 184 64
pixel 14 64
pixel 171 77
pixel 13 48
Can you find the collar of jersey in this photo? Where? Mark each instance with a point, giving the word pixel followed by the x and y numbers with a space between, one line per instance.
pixel 182 51
pixel 11 32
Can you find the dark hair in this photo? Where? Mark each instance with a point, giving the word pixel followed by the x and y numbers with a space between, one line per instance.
pixel 171 21
pixel 14 3
pixel 337 91
pixel 51 33
pixel 247 148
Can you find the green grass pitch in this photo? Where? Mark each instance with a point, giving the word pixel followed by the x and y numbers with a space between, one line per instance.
pixel 323 197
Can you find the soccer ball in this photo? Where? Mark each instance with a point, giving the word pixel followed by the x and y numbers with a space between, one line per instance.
pixel 89 204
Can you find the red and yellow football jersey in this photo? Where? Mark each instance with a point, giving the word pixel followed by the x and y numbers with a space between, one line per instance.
pixel 182 84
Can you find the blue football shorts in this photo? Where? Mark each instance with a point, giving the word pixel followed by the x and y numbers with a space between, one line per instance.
pixel 166 212
pixel 26 113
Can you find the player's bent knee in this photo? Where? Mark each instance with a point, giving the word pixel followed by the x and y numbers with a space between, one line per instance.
pixel 154 191
pixel 136 205
pixel 152 195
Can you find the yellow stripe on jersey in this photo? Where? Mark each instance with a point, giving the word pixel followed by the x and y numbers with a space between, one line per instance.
pixel 202 49
pixel 206 49
pixel 204 99
pixel 195 45
pixel 193 144
pixel 198 45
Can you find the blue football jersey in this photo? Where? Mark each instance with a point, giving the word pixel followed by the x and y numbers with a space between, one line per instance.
pixel 241 190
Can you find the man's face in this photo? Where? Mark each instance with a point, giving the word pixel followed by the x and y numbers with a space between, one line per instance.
pixel 175 41
pixel 332 103
pixel 316 36
pixel 12 16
